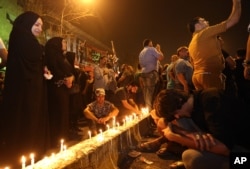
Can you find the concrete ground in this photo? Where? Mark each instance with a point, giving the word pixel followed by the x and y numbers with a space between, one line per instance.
pixel 149 161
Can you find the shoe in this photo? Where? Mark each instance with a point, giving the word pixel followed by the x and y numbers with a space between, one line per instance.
pixel 134 154
pixel 151 146
pixel 171 148
pixel 177 165
pixel 163 152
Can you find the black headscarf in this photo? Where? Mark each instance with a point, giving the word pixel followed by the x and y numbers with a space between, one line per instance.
pixel 25 21
pixel 56 60
pixel 25 93
pixel 24 46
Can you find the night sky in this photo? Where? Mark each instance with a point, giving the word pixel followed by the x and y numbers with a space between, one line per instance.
pixel 128 22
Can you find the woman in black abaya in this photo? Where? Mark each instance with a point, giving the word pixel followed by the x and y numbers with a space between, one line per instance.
pixel 58 89
pixel 25 115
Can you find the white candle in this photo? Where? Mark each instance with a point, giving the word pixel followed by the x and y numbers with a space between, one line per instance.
pixel 100 136
pixel 114 122
pixel 127 119
pixel 64 148
pixel 134 116
pixel 62 142
pixel 107 127
pixel 23 159
pixel 118 125
pixel 32 159
pixel 89 132
pixel 53 155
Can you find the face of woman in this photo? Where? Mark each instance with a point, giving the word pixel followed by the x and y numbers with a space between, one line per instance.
pixel 64 45
pixel 37 27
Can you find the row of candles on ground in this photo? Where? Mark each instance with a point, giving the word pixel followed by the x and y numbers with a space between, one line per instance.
pixel 32 161
pixel 116 125
pixel 100 137
pixel 63 147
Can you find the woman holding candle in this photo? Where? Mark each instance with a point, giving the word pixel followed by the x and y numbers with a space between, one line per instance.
pixel 58 89
pixel 25 115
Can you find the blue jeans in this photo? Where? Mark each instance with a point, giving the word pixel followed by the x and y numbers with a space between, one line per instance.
pixel 149 80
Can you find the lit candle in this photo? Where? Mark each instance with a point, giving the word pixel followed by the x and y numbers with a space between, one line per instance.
pixel 62 141
pixel 100 136
pixel 124 122
pixel 89 132
pixel 64 148
pixel 53 155
pixel 118 125
pixel 23 159
pixel 127 120
pixel 107 127
pixel 134 116
pixel 32 159
pixel 114 122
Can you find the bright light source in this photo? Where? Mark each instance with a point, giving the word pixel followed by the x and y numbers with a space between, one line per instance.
pixel 87 1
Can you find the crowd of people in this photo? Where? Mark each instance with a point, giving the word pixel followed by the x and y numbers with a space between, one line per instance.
pixel 191 104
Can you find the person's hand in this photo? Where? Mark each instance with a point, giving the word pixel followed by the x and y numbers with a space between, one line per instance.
pixel 105 71
pixel 158 47
pixel 161 125
pixel 247 72
pixel 168 133
pixel 47 74
pixel 203 141
pixel 68 81
pixel 102 120
pixel 138 112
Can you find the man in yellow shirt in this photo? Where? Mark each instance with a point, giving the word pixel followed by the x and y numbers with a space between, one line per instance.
pixel 205 51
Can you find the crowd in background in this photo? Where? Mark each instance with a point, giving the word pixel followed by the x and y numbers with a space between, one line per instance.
pixel 44 93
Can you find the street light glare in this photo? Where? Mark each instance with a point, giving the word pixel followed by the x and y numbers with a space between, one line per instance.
pixel 87 1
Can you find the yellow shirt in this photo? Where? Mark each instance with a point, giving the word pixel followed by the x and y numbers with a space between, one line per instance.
pixel 205 51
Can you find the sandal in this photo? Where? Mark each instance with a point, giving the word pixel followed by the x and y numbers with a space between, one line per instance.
pixel 148 147
pixel 151 146
pixel 163 152
pixel 177 165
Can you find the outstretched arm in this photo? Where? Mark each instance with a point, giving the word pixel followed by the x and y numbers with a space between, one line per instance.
pixel 234 17
pixel 196 140
pixel 247 60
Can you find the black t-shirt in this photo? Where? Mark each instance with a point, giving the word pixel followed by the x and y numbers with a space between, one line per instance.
pixel 212 112
pixel 121 94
